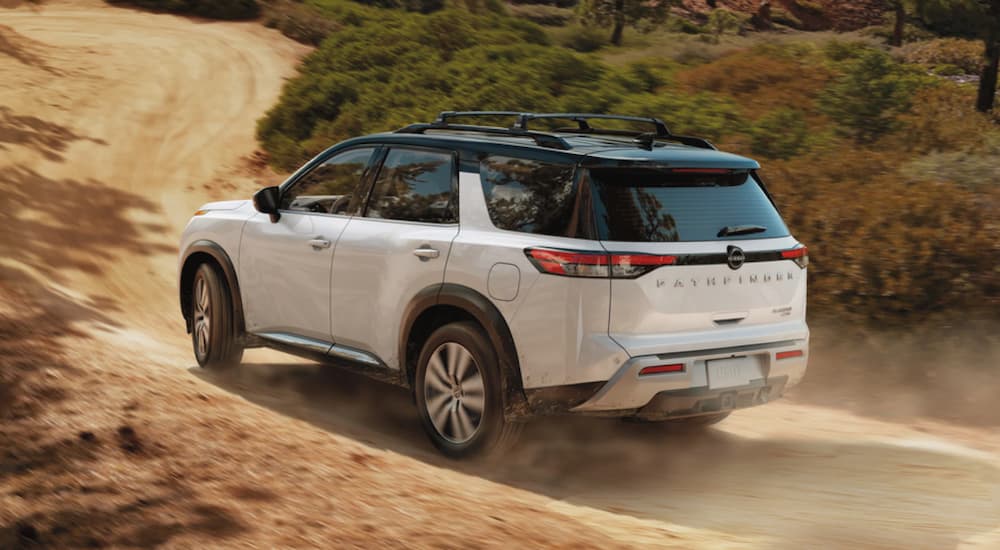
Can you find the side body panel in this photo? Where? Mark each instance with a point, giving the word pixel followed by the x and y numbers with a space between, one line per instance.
pixel 559 324
pixel 377 273
pixel 284 278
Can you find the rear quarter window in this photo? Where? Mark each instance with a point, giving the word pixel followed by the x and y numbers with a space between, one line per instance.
pixel 652 205
pixel 532 196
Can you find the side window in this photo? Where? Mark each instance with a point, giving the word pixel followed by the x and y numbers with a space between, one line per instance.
pixel 329 187
pixel 415 185
pixel 533 196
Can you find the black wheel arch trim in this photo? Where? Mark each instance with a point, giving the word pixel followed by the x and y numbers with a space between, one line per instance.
pixel 229 271
pixel 489 317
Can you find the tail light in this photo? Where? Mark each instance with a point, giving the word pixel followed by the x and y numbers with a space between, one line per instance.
pixel 788 354
pixel 798 255
pixel 599 265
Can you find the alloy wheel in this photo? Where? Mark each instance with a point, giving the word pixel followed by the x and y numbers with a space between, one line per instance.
pixel 454 393
pixel 202 320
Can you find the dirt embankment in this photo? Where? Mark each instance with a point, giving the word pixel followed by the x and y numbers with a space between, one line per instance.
pixel 114 126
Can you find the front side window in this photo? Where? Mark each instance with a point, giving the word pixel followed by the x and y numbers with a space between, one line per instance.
pixel 330 187
pixel 533 196
pixel 415 185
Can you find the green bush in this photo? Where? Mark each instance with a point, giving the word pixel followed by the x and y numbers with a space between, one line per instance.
pixel 872 92
pixel 782 133
pixel 885 248
pixel 542 14
pixel 300 22
pixel 967 55
pixel 215 9
pixel 585 38
pixel 722 21
pixel 686 26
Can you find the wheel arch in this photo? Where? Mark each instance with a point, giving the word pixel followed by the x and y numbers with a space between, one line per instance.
pixel 444 303
pixel 204 251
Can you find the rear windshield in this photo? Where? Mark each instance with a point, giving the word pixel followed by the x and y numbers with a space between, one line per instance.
pixel 662 206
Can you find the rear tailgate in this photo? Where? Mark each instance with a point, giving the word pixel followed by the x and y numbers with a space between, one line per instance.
pixel 729 278
pixel 700 305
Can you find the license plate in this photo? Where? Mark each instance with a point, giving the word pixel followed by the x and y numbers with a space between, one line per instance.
pixel 733 372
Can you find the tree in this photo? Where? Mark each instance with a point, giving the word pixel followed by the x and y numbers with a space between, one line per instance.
pixel 899 22
pixel 970 19
pixel 620 13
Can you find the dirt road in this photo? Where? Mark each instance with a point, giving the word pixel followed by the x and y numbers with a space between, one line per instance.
pixel 114 126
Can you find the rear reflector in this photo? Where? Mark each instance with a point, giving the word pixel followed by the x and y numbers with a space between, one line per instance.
pixel 678 367
pixel 799 255
pixel 575 263
pixel 788 354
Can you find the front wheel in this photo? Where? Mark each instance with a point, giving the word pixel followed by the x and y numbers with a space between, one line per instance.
pixel 213 323
pixel 458 393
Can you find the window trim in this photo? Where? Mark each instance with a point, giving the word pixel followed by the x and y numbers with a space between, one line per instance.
pixel 309 168
pixel 384 154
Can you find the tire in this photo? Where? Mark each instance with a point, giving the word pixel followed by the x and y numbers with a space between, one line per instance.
pixel 213 333
pixel 456 372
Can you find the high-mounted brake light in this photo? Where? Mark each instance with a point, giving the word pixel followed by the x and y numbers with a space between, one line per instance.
pixel 601 265
pixel 799 255
pixel 700 171
pixel 677 367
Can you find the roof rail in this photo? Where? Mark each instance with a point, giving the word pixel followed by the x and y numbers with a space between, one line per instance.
pixel 541 138
pixel 520 128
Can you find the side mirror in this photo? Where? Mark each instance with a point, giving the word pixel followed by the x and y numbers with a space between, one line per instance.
pixel 266 202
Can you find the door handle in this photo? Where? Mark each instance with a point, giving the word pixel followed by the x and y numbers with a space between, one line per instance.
pixel 319 243
pixel 426 253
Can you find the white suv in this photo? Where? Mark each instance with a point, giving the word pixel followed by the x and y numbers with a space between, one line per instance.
pixel 503 273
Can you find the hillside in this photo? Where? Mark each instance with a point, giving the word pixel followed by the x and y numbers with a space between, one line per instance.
pixel 815 15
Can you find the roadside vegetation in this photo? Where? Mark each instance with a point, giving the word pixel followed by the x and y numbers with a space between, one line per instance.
pixel 879 163
pixel 876 154
pixel 215 9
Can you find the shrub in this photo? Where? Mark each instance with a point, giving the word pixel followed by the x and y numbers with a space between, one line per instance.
pixel 585 38
pixel 967 55
pixel 867 98
pixel 215 9
pixel 781 134
pixel 681 24
pixel 942 118
pixel 722 21
pixel 762 79
pixel 930 238
pixel 298 21
pixel 542 14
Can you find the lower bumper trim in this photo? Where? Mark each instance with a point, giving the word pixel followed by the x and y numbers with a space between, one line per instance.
pixel 697 401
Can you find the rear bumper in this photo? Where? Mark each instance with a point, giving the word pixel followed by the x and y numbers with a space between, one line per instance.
pixel 685 393
pixel 697 401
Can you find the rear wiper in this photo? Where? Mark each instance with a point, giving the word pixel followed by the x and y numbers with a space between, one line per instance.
pixel 740 230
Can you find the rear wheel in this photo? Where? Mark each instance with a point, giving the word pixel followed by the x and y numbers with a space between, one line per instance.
pixel 458 393
pixel 213 323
